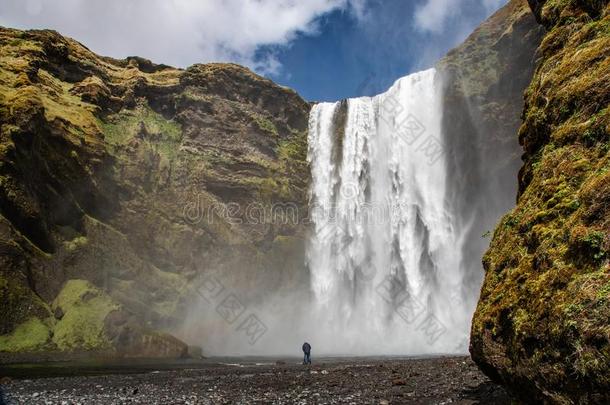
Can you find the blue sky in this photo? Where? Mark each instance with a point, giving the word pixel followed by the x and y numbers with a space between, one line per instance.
pixel 324 49
pixel 350 57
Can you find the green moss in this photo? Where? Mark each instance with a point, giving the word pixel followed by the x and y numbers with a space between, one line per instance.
pixel 267 187
pixel 21 46
pixel 554 262
pixel 292 155
pixel 294 148
pixel 60 103
pixel 510 221
pixel 85 308
pixel 264 124
pixel 594 242
pixel 587 362
pixel 604 292
pixel 163 136
pixel 520 319
pixel 32 335
pixel 594 134
pixel 189 94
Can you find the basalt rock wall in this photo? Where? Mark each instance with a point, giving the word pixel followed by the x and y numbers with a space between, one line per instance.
pixel 123 182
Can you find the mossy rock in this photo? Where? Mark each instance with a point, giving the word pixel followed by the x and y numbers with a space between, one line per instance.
pixel 31 336
pixel 84 308
pixel 99 160
pixel 541 324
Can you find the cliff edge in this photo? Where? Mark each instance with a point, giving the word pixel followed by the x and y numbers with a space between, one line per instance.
pixel 541 325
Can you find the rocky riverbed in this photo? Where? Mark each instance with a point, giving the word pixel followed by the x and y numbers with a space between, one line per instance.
pixel 440 380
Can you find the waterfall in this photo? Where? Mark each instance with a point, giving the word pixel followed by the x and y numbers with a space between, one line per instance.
pixel 384 251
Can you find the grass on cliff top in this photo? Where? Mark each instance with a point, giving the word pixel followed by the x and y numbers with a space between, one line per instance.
pixel 476 61
pixel 19 94
pixel 76 116
pixel 85 308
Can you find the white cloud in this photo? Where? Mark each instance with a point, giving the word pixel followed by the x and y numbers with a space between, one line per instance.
pixel 178 32
pixel 358 8
pixel 432 15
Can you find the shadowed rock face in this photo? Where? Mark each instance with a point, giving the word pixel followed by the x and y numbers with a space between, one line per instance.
pixel 541 326
pixel 115 173
pixel 483 83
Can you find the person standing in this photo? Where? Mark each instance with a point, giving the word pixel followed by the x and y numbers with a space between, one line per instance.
pixel 307 353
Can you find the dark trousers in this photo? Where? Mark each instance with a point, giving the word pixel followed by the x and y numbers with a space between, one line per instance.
pixel 307 358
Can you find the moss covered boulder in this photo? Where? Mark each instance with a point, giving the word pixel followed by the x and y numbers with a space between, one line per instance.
pixel 81 310
pixel 542 325
pixel 83 321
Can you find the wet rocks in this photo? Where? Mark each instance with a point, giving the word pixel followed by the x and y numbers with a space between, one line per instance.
pixel 214 383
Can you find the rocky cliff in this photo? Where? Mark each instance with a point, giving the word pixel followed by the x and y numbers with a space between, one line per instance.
pixel 542 323
pixel 483 83
pixel 122 181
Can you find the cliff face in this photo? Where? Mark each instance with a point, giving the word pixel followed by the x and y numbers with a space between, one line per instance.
pixel 484 80
pixel 541 326
pixel 121 181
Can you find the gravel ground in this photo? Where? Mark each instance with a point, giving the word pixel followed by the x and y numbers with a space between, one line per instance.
pixel 440 380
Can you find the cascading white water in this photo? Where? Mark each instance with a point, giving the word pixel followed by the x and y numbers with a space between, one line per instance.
pixel 384 253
